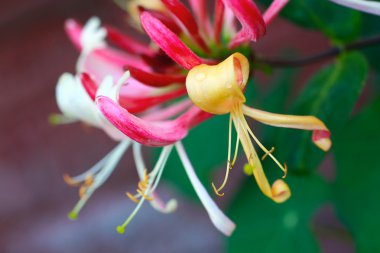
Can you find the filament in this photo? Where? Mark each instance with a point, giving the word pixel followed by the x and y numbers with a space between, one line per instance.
pixel 267 153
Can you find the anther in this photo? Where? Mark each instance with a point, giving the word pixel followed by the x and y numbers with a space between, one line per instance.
pixel 132 197
pixel 217 191
pixel 267 153
pixel 285 171
pixel 69 180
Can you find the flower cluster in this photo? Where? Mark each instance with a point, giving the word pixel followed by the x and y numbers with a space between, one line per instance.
pixel 154 94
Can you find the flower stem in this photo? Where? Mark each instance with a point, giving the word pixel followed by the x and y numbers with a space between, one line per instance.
pixel 325 55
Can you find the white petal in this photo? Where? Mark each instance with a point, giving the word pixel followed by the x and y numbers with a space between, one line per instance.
pixel 93 35
pixel 73 100
pixel 218 218
pixel 361 5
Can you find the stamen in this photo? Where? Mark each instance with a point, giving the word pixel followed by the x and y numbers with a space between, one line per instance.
pixel 132 197
pixel 229 164
pixel 148 180
pixel 262 146
pixel 93 183
pixel 69 180
pixel 142 187
pixel 266 154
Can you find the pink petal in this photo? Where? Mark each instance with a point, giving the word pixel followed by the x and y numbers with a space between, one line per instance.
pixel 169 42
pixel 139 104
pixel 107 61
pixel 253 25
pixel 156 134
pixel 273 10
pixel 168 112
pixel 74 30
pixel 186 18
pixel 128 43
pixel 89 85
pixel 155 79
pixel 165 19
pixel 218 20
pixel 200 10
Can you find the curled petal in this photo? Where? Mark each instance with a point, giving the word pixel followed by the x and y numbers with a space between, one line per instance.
pixel 138 104
pixel 273 10
pixel 253 25
pixel 218 218
pixel 186 18
pixel 372 7
pixel 157 134
pixel 155 79
pixel 321 134
pixel 169 42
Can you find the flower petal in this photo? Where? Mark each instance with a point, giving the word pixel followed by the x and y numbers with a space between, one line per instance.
pixel 169 42
pixel 253 25
pixel 155 79
pixel 127 43
pixel 321 134
pixel 273 10
pixel 218 20
pixel 186 18
pixel 89 85
pixel 138 104
pixel 160 133
pixel 371 7
pixel 74 102
pixel 218 218
pixel 200 10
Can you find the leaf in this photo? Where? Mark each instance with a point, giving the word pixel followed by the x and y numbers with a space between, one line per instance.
pixel 264 226
pixel 339 23
pixel 331 96
pixel 356 188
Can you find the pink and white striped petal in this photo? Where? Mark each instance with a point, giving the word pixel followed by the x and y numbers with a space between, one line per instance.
pixel 156 134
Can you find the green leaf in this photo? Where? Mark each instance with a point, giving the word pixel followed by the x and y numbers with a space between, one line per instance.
pixel 356 188
pixel 339 23
pixel 264 226
pixel 331 96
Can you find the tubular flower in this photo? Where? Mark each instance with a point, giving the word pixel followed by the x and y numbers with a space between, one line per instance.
pixel 136 105
pixel 218 90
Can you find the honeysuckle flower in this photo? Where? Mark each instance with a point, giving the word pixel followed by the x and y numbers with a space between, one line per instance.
pixel 372 7
pixel 134 106
pixel 219 90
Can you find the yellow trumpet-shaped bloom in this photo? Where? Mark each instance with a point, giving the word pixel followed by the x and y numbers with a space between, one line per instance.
pixel 218 89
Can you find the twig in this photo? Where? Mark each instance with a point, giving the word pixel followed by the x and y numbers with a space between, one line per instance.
pixel 332 52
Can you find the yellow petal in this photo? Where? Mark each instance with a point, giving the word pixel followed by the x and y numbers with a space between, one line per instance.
pixel 321 134
pixel 217 89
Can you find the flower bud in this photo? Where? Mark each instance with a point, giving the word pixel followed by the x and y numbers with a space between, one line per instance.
pixel 218 89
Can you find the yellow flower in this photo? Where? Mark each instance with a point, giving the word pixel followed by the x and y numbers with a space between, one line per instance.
pixel 219 90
